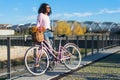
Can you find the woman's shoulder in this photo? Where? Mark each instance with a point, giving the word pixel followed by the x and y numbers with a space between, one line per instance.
pixel 41 14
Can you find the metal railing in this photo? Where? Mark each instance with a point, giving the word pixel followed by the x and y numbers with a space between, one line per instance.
pixel 12 48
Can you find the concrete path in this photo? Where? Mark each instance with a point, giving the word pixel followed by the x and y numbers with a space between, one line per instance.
pixel 60 69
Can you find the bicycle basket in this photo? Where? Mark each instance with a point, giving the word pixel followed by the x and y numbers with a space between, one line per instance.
pixel 37 36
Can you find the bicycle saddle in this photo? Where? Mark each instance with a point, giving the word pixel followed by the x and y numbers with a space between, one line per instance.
pixel 62 35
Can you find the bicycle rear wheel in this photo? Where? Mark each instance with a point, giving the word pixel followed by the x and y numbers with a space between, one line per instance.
pixel 36 60
pixel 74 60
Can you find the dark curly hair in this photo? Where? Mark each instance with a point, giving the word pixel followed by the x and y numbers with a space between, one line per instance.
pixel 42 9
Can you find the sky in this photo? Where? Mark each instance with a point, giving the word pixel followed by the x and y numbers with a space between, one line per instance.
pixel 25 11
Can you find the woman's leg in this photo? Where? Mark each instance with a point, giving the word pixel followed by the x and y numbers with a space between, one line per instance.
pixel 47 36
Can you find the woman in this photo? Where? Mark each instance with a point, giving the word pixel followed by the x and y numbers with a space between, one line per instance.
pixel 43 20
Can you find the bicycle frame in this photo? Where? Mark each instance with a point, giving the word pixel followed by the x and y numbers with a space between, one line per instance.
pixel 51 51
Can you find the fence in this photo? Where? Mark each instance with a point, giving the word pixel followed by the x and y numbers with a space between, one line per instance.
pixel 12 49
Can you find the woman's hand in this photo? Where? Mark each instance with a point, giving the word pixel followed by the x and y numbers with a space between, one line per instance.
pixel 41 29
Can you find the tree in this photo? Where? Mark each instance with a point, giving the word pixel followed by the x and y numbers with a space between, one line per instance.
pixel 85 29
pixel 77 29
pixel 62 27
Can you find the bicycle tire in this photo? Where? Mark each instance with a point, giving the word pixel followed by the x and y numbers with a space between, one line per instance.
pixel 75 56
pixel 30 61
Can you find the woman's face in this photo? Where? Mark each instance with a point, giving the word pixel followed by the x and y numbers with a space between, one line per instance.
pixel 47 8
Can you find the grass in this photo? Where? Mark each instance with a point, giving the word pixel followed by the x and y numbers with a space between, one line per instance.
pixel 2 78
pixel 106 69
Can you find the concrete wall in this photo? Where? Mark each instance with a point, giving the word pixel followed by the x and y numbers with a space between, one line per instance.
pixel 7 32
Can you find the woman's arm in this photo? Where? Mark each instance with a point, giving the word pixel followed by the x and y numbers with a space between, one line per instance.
pixel 39 20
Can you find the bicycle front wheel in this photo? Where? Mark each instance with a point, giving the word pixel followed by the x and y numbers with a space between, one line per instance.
pixel 36 60
pixel 73 52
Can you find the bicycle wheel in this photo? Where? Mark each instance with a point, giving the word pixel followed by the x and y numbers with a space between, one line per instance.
pixel 74 60
pixel 36 60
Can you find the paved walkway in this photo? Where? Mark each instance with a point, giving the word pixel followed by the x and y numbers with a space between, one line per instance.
pixel 60 69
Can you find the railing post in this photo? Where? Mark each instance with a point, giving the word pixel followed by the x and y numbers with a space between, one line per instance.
pixel 106 44
pixel 97 43
pixel 116 40
pixel 119 40
pixel 92 43
pixel 8 58
pixel 111 41
pixel 77 40
pixel 67 39
pixel 102 42
pixel 85 45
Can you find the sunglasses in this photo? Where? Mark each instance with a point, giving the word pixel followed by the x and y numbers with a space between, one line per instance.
pixel 48 7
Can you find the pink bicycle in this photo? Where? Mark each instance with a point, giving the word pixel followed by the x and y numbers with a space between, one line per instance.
pixel 38 58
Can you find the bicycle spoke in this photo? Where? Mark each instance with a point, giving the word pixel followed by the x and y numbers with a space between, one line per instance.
pixel 36 61
pixel 75 57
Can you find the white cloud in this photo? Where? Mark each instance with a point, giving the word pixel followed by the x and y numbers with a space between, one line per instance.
pixel 76 14
pixel 85 14
pixel 34 9
pixel 82 14
pixel 67 16
pixel 26 19
pixel 71 15
pixel 108 11
pixel 56 16
pixel 32 17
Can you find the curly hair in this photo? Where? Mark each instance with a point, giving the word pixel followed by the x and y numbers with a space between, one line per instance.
pixel 42 9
